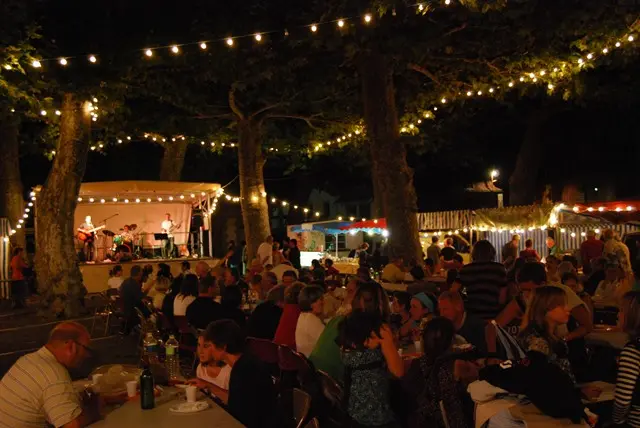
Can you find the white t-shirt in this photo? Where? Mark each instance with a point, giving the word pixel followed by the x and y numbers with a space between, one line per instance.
pixel 265 250
pixel 222 380
pixel 308 331
pixel 282 268
pixel 115 282
pixel 180 305
pixel 166 225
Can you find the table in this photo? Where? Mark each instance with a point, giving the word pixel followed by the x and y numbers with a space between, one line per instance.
pixel 346 268
pixel 611 339
pixel 130 415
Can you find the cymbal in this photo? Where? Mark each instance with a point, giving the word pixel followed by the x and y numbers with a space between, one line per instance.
pixel 108 232
pixel 133 226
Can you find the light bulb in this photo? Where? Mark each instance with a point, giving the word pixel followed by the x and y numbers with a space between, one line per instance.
pixel 63 61
pixel 92 59
pixel 58 112
pixel 148 53
pixel 43 112
pixel 469 93
pixel 447 2
pixel 605 51
pixel 589 56
pixel 617 44
pixel 491 90
pixel 36 64
pixel 314 28
pixel 340 23
pixel 230 41
pixel 137 200
pixel 542 72
pixel 175 49
pixel 203 46
pixel 317 214
pixel 258 37
pixel 580 60
pixel 550 86
pixel 367 18
pixel 630 38
pixel 443 101
pixel 511 84
pixel 479 93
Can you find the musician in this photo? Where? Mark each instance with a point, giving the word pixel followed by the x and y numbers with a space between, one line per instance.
pixel 89 247
pixel 128 236
pixel 167 244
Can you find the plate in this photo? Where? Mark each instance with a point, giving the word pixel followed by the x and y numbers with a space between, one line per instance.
pixel 198 406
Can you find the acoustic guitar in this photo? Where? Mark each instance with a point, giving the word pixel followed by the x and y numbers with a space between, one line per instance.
pixel 88 235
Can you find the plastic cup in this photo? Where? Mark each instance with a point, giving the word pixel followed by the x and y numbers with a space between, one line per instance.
pixel 132 388
pixel 95 379
pixel 418 345
pixel 192 392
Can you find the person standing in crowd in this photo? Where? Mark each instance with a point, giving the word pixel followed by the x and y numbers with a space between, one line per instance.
pixel 19 289
pixel 204 309
pixel 37 390
pixel 447 253
pixel 132 295
pixel 529 253
pixel 277 256
pixel 265 318
pixel 369 356
pixel 552 247
pixel 187 295
pixel 286 331
pixel 265 251
pixel 510 250
pixel 233 258
pixel 433 252
pixel 251 397
pixel 363 255
pixel 310 324
pixel 614 248
pixel 474 330
pixel 437 383
pixel 590 249
pixel 484 281
pixel 626 405
pixel 394 271
pixel 294 254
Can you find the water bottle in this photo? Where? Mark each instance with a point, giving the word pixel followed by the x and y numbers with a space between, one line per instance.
pixel 147 399
pixel 150 348
pixel 172 360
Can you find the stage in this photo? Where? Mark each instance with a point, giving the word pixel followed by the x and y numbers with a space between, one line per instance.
pixel 95 275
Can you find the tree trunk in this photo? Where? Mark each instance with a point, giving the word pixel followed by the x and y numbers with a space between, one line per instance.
pixel 11 202
pixel 390 172
pixel 522 183
pixel 173 160
pixel 255 211
pixel 59 278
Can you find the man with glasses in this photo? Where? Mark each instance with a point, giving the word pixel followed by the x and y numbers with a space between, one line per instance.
pixel 37 389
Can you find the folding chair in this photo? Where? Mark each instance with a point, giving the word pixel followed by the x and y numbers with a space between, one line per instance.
pixel 103 309
pixel 332 409
pixel 313 423
pixel 267 352
pixel 294 406
pixel 187 338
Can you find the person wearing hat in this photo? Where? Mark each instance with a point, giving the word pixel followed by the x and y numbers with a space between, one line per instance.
pixel 422 308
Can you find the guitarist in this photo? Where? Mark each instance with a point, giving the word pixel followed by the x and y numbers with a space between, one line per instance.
pixel 89 248
pixel 168 226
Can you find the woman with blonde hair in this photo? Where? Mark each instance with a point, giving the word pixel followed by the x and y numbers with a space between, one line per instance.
pixel 626 405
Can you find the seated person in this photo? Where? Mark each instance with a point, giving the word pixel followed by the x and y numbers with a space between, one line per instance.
pixel 37 390
pixel 310 324
pixel 394 271
pixel 265 318
pixel 251 397
pixel 570 279
pixel 401 320
pixel 115 278
pixel 333 298
pixel 210 370
pixel 283 267
pixel 269 280
pixel 331 271
pixel 420 284
pixel 471 328
pixel 606 291
pixel 188 293
pixel 422 308
pixel 289 277
pixel 204 309
pixel 255 288
pixel 231 301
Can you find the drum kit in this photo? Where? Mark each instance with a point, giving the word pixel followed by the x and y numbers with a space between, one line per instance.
pixel 122 243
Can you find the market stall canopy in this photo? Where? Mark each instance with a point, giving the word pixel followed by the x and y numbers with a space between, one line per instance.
pixel 618 212
pixel 517 217
pixel 326 227
pixel 443 220
pixel 167 189
pixel 375 226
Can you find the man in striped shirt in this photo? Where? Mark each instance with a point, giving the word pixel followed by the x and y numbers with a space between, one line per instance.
pixel 37 389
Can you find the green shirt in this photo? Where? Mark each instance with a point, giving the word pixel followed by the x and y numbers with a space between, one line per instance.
pixel 326 354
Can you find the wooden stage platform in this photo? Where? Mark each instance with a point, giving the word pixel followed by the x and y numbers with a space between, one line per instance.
pixel 95 275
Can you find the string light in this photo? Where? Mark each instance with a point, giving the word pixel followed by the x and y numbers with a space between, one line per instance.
pixel 230 41
pixel 340 23
pixel 203 46
pixel 36 64
pixel 314 28
pixel 63 61
pixel 148 52
pixel 367 18
pixel 92 59
pixel 258 37
pixel 175 49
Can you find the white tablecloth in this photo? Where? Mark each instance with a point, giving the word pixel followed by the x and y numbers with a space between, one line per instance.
pixel 131 415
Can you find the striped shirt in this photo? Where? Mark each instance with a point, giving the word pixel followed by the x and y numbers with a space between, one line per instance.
pixel 625 408
pixel 482 283
pixel 37 390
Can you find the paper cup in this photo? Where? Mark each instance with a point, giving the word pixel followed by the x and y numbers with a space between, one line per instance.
pixel 192 391
pixel 418 345
pixel 132 388
pixel 95 379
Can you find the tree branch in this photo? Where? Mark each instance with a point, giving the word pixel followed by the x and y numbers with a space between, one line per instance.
pixel 308 119
pixel 232 102
pixel 424 71
pixel 264 109
pixel 455 30
pixel 214 116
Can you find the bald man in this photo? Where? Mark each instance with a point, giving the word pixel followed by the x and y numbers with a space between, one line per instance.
pixel 37 389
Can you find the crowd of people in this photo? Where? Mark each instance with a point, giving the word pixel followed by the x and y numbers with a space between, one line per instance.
pixel 407 358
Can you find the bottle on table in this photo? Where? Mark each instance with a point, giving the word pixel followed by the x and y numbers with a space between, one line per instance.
pixel 172 359
pixel 150 349
pixel 147 398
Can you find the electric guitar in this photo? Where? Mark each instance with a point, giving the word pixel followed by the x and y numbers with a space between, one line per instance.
pixel 88 235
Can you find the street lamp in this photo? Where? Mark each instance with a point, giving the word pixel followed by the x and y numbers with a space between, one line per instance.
pixel 494 175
